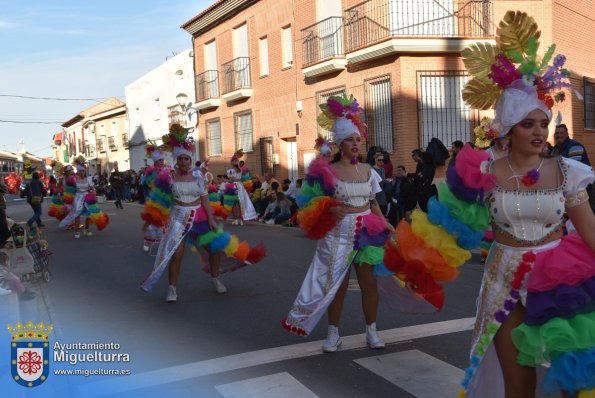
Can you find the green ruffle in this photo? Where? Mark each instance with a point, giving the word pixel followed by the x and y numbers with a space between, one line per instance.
pixel 312 189
pixel 370 255
pixel 542 343
pixel 475 215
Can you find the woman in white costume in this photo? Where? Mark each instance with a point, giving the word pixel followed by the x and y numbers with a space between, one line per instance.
pixel 533 305
pixel 353 217
pixel 243 209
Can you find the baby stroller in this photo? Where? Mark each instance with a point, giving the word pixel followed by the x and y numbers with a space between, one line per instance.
pixel 28 254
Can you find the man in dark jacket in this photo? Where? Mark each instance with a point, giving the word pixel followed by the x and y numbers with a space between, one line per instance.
pixel 116 180
pixel 35 193
pixel 403 196
pixel 423 177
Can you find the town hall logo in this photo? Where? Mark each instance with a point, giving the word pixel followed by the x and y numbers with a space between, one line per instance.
pixel 29 353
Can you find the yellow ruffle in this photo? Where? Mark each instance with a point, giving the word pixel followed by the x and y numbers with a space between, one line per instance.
pixel 439 239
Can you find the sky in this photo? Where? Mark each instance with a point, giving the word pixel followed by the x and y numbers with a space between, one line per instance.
pixel 70 49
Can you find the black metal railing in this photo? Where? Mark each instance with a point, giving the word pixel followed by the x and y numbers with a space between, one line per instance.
pixel 322 40
pixel 236 74
pixel 101 145
pixel 125 140
pixel 208 85
pixel 111 141
pixel 375 20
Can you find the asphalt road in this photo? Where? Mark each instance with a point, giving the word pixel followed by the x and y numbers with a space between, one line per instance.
pixel 231 345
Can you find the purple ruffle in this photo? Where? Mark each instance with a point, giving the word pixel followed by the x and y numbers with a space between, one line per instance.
pixel 459 190
pixel 366 239
pixel 564 301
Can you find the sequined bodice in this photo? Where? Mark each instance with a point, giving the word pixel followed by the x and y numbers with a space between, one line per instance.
pixel 186 191
pixel 354 193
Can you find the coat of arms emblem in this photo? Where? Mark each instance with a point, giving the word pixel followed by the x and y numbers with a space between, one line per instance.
pixel 29 353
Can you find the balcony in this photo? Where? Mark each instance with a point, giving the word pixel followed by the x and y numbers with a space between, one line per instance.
pixel 236 79
pixel 101 145
pixel 125 140
pixel 208 90
pixel 376 28
pixel 322 47
pixel 111 141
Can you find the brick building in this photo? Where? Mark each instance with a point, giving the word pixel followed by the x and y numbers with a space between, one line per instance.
pixel 263 66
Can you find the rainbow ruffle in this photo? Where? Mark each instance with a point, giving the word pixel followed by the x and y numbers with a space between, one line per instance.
pixel 215 201
pixel 57 208
pixel 93 213
pixel 230 196
pixel 429 250
pixel 315 200
pixel 247 179
pixel 559 324
pixel 69 190
pixel 159 201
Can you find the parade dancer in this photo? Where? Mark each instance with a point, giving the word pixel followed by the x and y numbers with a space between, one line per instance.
pixel 185 212
pixel 81 194
pixel 242 208
pixel 339 208
pixel 536 299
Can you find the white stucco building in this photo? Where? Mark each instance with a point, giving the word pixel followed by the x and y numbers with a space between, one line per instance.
pixel 152 104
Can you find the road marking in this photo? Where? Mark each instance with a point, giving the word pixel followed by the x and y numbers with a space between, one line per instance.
pixel 278 385
pixel 416 372
pixel 262 357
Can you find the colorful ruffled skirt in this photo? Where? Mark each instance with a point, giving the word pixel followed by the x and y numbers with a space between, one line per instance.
pixel 555 283
pixel 184 222
pixel 358 238
pixel 85 204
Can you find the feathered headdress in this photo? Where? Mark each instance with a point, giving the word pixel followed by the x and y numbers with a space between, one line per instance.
pixel 342 116
pixel 79 163
pixel 235 159
pixel 485 133
pixel 322 145
pixel 178 142
pixel 205 165
pixel 57 167
pixel 510 77
pixel 153 151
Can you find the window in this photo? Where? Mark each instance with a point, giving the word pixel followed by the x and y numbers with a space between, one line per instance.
pixel 114 129
pixel 243 131
pixel 286 47
pixel 80 146
pixel 214 137
pixel 442 112
pixel 379 112
pixel 266 155
pixel 321 98
pixel 589 104
pixel 263 46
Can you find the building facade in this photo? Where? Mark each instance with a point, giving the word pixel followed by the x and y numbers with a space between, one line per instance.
pixel 80 137
pixel 262 67
pixel 153 104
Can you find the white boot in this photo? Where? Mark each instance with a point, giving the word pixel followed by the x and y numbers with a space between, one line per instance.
pixel 219 287
pixel 333 340
pixel 172 295
pixel 372 338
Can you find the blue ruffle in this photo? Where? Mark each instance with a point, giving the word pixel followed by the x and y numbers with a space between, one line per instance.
pixel 439 214
pixel 571 371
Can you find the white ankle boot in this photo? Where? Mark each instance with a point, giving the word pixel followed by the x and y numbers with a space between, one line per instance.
pixel 172 295
pixel 219 287
pixel 333 340
pixel 372 338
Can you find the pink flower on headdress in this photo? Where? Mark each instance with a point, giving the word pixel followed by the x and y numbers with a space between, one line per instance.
pixel 503 71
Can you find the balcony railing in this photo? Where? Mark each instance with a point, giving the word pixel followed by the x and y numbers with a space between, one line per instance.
pixel 236 74
pixel 111 141
pixel 208 85
pixel 125 140
pixel 101 145
pixel 322 40
pixel 373 21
